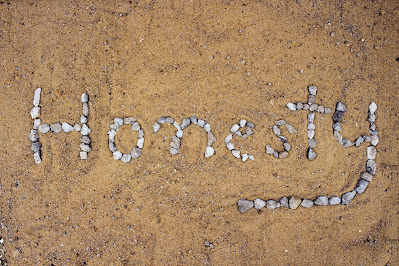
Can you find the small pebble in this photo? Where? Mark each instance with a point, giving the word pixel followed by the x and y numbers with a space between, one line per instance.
pixel 136 152
pixel 307 203
pixel 129 120
pixel 173 151
pixel 294 202
pixel 372 108
pixel 207 127
pixel 371 167
pixel 56 128
pixel 85 130
pixel 334 200
pixel 244 157
pixel 371 152
pixel 284 202
pixel 77 127
pixel 287 146
pixel 313 107
pixel 185 122
pixel 311 117
pixel 338 137
pixel 366 176
pixel 367 138
pixel 33 135
pixel 276 130
pixel 251 157
pixel 327 110
pixel 283 155
pixel 272 204
pixel 211 139
pixel 36 123
pixel 37 157
pixel 291 106
pixel 201 122
pixel 67 127
pixel 311 154
pixel 179 133
pixel 311 126
pixel 83 155
pixel 36 97
pixel 374 140
pixel 291 129
pixel 361 186
pixel 348 197
pixel 269 149
pixel 228 138
pixel 161 120
pixel 299 105
pixel 117 155
pixel 177 125
pixel 175 143
pixel 320 109
pixel 84 147
pixel 85 140
pixel 337 116
pixel 35 112
pixel 250 124
pixel 312 143
pixel 245 205
pixel 112 146
pixel 136 126
pixel 169 120
pixel 236 153
pixel 209 151
pixel 36 146
pixel 85 98
pixel 371 118
pixel 194 120
pixel 141 134
pixel 321 200
pixel 85 107
pixel 44 128
pixel 340 107
pixel 306 106
pixel 279 122
pixel 234 128
pixel 311 134
pixel 312 90
pixel 83 119
pixel 259 204
pixel 243 122
pixel 156 127
pixel 336 127
pixel 282 138
pixel 140 143
pixel 230 146
pixel 111 134
pixel 126 157
pixel 347 143
pixel 359 141
pixel 311 99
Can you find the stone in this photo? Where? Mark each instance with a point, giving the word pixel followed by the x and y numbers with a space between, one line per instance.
pixel 173 151
pixel 85 140
pixel 374 140
pixel 177 125
pixel 85 130
pixel 136 126
pixel 85 147
pixel 112 146
pixel 169 120
pixel 287 146
pixel 156 127
pixel 111 134
pixel 243 122
pixel 327 110
pixel 207 127
pixel 211 139
pixel 56 128
pixel 250 124
pixel 185 122
pixel 321 200
pixel 312 143
pixel 279 122
pixel 234 128
pixel 371 167
pixel 179 133
pixel 83 155
pixel 311 134
pixel 85 98
pixel 313 107
pixel 66 127
pixel 175 143
pixel 269 149
pixel 44 128
pixel 371 118
pixel 311 126
pixel 284 202
pixel 85 107
pixel 311 154
pixel 259 204
pixel 230 146
pixel 307 203
pixel 291 106
pixel 276 130
pixel 337 116
pixel 311 99
pixel 236 153
pixel 367 138
pixel 118 121
pixel 228 138
pixel 283 155
pixel 340 107
pixel 272 204
pixel 347 143
pixel 251 157
pixel 126 157
pixel 291 129
pixel 366 176
pixel 348 197
pixel 320 109
pixel 311 117
pixel 36 123
pixel 33 135
pixel 372 108
pixel 334 200
pixel 294 202
pixel 141 134
pixel 129 120
pixel 338 137
pixel 77 127
pixel 36 97
pixel 299 105
pixel 37 157
pixel 140 143
pixel 371 152
pixel 282 138
pixel 245 205
pixel 336 127
pixel 305 106
pixel 194 120
pixel 35 112
pixel 312 90
pixel 136 152
pixel 201 122
pixel 36 146
pixel 359 141
pixel 209 151
pixel 361 186
pixel 161 120
pixel 83 119
pixel 117 155
pixel 275 154
pixel 249 131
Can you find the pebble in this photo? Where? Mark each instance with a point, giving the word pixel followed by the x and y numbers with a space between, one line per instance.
pixel 327 110
pixel 136 152
pixel 83 119
pixel 156 127
pixel 85 109
pixel 259 204
pixel 366 176
pixel 367 138
pixel 77 127
pixel 294 202
pixel 230 146
pixel 291 106
pixel 312 143
pixel 185 122
pixel 340 107
pixel 372 108
pixel 228 138
pixel 234 128
pixel 250 124
pixel 245 205
pixel 283 155
pixel 209 151
pixel 347 143
pixel 307 203
pixel 371 118
pixel 243 122
pixel 112 146
pixel 374 140
pixel 371 152
pixel 85 140
pixel 36 97
pixel 37 157
pixel 83 155
pixel 359 141
pixel 140 134
pixel 269 149
pixel 311 99
pixel 284 202
pixel 272 204
pixel 311 117
pixel 291 129
pixel 140 143
pixel 44 128
pixel 320 109
pixel 287 146
pixel 312 90
pixel 201 122
pixel 35 112
pixel 36 146
pixel 84 147
pixel 211 139
pixel 179 133
pixel 279 122
pixel 85 98
pixel 118 121
pixel 175 143
pixel 276 130
pixel 299 105
pixel 313 107
pixel 311 126
pixel 36 123
pixel 336 127
pixel 371 167
pixel 334 200
pixel 348 197
pixel 321 200
pixel 275 154
pixel 67 127
pixel 194 120
pixel 337 116
pixel 177 125
pixel 162 120
pixel 85 130
pixel 126 157
pixel 207 127
pixel 111 134
pixel 311 154
pixel 251 157
pixel 306 106
pixel 173 151
pixel 236 153
pixel 282 138
pixel 338 137
pixel 311 134
pixel 117 155
pixel 136 126
pixel 169 120
pixel 56 128
pixel 361 186
pixel 129 120
pixel 33 135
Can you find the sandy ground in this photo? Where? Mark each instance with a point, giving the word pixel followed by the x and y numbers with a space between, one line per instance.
pixel 221 61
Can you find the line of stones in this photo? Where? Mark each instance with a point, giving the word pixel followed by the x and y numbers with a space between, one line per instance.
pixel 346 198
pixel 286 145
pixel 44 128
pixel 235 129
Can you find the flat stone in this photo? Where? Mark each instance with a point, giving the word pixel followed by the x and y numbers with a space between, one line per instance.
pixel 85 147
pixel 228 138
pixel 140 143
pixel 347 143
pixel 201 122
pixel 141 134
pixel 207 127
pixel 291 106
pixel 66 127
pixel 371 167
pixel 340 107
pixel 338 137
pixel 85 108
pixel 287 146
pixel 56 128
pixel 209 151
pixel 290 129
pixel 312 143
pixel 118 121
pixel 312 90
pixel 279 122
pixel 245 205
pixel 299 105
pixel 284 202
pixel 307 203
pixel 85 130
pixel 320 109
pixel 275 154
pixel 294 202
pixel 311 126
pixel 269 149
pixel 251 157
pixel 366 176
pixel 136 152
pixel 283 155
pixel 374 140
pixel 129 120
pixel 311 154
pixel 111 134
pixel 321 200
pixel 313 107
pixel 179 133
pixel 175 143
pixel 243 122
pixel 126 157
pixel 327 110
pixel 230 146
pixel 36 123
pixel 306 106
pixel 177 125
pixel 36 97
pixel 272 204
pixel 117 155
pixel 372 108
pixel 36 146
pixel 371 152
pixel 156 127
pixel 136 126
pixel 185 122
pixel 85 98
pixel 311 134
pixel 173 151
pixel 334 200
pixel 211 139
pixel 161 120
pixel 361 186
pixel 337 116
pixel 276 130
pixel 83 155
pixel 336 127
pixel 234 128
pixel 85 140
pixel 35 112
pixel 367 138
pixel 348 197
pixel 83 119
pixel 282 138
pixel 259 204
pixel 250 124
pixel 194 120
pixel 311 117
pixel 169 120
pixel 311 99
pixel 33 135
pixel 371 118
pixel 112 146
pixel 44 128
pixel 37 157
pixel 359 141
pixel 77 127
pixel 236 153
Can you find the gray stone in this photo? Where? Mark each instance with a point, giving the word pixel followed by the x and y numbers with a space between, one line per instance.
pixel 169 120
pixel 287 146
pixel 228 138
pixel 175 143
pixel 311 134
pixel 306 106
pixel 327 110
pixel 179 133
pixel 374 140
pixel 340 107
pixel 337 116
pixel 140 143
pixel 347 143
pixel 311 126
pixel 312 143
pixel 136 152
pixel 276 130
pixel 161 120
pixel 279 122
pixel 207 127
pixel 290 129
pixel 129 120
pixel 126 157
pixel 85 98
pixel 37 157
pixel 259 204
pixel 85 130
pixel 320 109
pixel 321 200
pixel 177 125
pixel 245 205
pixel 372 108
pixel 311 117
pixel 249 131
pixel 336 127
pixel 311 154
pixel 269 149
pixel 371 152
pixel 36 146
pixel 83 155
pixel 284 202
pixel 251 157
pixel 272 204
pixel 236 153
pixel 275 154
pixel 117 155
pixel 361 186
pixel 313 107
pixel 359 141
pixel 294 202
pixel 118 121
pixel 371 167
pixel 140 134
pixel 338 137
pixel 111 134
pixel 112 146
pixel 136 126
pixel 250 124
pixel 77 127
pixel 348 197
pixel 35 112
pixel 371 118
pixel 85 140
pixel 36 97
pixel 85 147
pixel 156 127
pixel 234 128
pixel 312 90
pixel 85 107
pixel 283 155
pixel 299 105
pixel 209 151
pixel 367 138
pixel 36 123
pixel 201 122
pixel 185 122
pixel 33 135
pixel 307 203
pixel 334 200
pixel 173 151
pixel 211 139
pixel 366 176
pixel 282 138
pixel 194 120
pixel 67 127
pixel 291 106
pixel 230 146
pixel 44 128
pixel 311 99
pixel 56 128
pixel 83 119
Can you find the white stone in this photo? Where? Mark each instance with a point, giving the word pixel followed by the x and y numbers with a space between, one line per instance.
pixel 207 127
pixel 85 107
pixel 228 138
pixel 37 157
pixel 129 120
pixel 244 157
pixel 259 204
pixel 67 127
pixel 111 134
pixel 85 147
pixel 136 153
pixel 312 90
pixel 230 146
pixel 374 140
pixel 33 135
pixel 140 143
pixel 36 97
pixel 83 155
pixel 209 152
pixel 179 133
pixel 117 155
pixel 291 106
pixel 119 121
pixel 83 119
pixel 334 200
pixel 44 128
pixel 56 128
pixel 156 127
pixel 201 122
pixel 126 157
pixel 136 126
pixel 311 134
pixel 85 98
pixel 85 130
pixel 251 157
pixel 236 153
pixel 77 127
pixel 371 152
pixel 35 112
pixel 372 108
pixel 234 128
pixel 36 123
pixel 243 122
pixel 173 151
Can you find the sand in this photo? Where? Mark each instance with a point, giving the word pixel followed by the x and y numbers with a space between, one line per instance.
pixel 221 61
